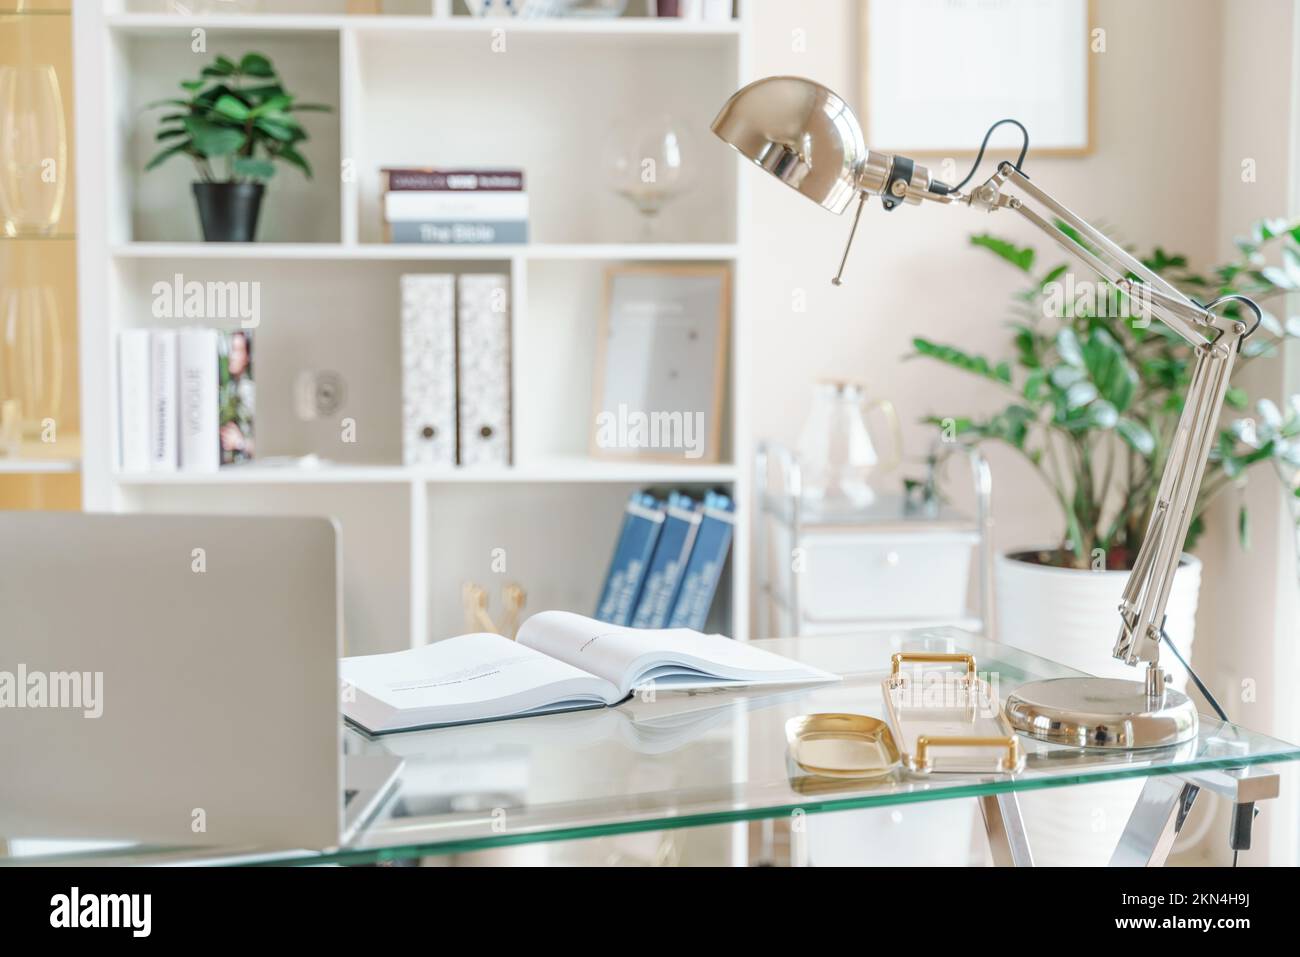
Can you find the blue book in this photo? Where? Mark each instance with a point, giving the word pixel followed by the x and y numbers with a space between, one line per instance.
pixel 669 562
pixel 700 582
pixel 642 522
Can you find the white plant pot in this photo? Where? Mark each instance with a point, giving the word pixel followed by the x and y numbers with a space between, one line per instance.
pixel 1071 616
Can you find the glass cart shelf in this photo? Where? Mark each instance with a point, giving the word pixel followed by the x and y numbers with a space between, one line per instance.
pixel 686 760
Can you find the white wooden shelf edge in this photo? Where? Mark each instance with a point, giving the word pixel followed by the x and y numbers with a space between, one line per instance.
pixel 38 466
pixel 575 472
pixel 414 252
pixel 316 23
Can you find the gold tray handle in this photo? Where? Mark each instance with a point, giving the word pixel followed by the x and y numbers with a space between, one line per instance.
pixel 924 742
pixel 930 657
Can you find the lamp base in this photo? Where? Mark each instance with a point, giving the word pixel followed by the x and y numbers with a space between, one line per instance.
pixel 1108 713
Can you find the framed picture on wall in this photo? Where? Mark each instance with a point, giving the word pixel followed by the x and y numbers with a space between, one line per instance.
pixel 938 73
pixel 661 363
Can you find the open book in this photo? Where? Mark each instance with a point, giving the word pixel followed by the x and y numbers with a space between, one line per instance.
pixel 559 662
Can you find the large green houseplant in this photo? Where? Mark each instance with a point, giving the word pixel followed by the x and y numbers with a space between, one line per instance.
pixel 236 123
pixel 1094 390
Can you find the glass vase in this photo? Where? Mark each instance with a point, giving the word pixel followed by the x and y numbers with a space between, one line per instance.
pixel 33 150
pixel 31 358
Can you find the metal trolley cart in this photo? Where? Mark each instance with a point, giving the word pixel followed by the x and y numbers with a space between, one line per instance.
pixel 891 564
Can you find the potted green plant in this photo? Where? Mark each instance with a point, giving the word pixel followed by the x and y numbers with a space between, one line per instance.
pixel 1094 391
pixel 236 123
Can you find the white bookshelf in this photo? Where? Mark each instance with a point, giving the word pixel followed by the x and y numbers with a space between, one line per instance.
pixel 420 87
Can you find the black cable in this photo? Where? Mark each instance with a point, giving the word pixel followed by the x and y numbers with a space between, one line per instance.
pixel 1233 836
pixel 1200 685
pixel 944 188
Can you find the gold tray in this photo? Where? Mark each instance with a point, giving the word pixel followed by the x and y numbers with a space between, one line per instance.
pixel 842 745
pixel 961 729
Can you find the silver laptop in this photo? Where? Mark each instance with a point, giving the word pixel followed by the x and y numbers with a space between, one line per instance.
pixel 174 680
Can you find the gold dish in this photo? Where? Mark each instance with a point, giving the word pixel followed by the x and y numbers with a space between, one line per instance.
pixel 842 745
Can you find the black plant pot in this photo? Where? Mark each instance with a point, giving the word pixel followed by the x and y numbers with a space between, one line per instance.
pixel 228 211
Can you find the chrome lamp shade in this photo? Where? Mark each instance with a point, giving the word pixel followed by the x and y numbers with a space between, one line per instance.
pixel 801 133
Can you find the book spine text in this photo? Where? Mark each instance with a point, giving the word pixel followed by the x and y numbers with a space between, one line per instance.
pixel 163 456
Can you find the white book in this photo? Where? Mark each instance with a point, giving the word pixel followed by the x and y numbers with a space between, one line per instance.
pixel 444 206
pixel 163 455
pixel 133 400
pixel 559 662
pixel 200 446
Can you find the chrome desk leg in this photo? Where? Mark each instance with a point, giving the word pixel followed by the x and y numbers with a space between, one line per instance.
pixel 1006 830
pixel 1155 822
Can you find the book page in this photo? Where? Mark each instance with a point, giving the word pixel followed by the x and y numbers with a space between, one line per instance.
pixel 679 657
pixel 605 650
pixel 464 677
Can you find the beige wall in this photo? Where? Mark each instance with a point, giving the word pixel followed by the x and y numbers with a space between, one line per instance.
pixel 912 272
pixel 1250 613
pixel 1185 90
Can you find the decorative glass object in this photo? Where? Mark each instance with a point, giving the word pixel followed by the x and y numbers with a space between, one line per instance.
pixel 31 358
pixel 33 150
pixel 649 163
pixel 836 452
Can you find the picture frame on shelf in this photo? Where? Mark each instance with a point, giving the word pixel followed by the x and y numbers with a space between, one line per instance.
pixel 661 364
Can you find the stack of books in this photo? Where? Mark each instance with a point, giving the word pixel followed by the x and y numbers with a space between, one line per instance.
pixel 185 399
pixel 455 206
pixel 668 561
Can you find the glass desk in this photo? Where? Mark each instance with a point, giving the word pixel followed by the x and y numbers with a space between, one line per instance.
pixel 690 759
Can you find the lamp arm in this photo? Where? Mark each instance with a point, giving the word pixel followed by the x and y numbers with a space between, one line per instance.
pixel 1216 341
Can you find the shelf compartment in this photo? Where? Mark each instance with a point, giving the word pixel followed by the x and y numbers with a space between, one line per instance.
pixel 553 123
pixel 556 356
pixel 344 320
pixel 160 205
pixel 554 540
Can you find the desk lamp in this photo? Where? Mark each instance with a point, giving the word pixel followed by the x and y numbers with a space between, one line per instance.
pixel 804 135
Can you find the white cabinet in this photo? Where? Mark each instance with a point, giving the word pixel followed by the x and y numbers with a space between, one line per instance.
pixel 882 566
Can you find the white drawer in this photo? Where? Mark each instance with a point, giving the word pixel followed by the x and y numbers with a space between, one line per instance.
pixel 862 577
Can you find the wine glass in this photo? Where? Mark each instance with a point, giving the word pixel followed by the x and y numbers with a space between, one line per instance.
pixel 649 163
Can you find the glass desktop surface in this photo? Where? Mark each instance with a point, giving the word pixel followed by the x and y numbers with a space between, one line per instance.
pixel 685 759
